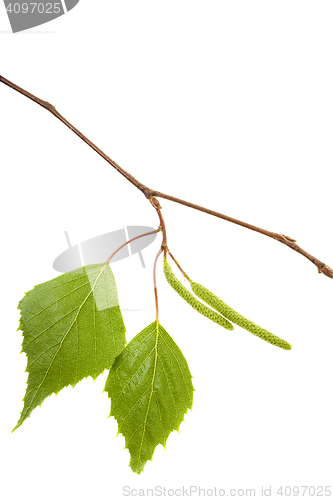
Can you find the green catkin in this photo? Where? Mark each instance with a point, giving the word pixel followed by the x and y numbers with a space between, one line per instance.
pixel 193 301
pixel 237 318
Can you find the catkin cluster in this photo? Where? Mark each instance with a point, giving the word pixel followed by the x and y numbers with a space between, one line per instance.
pixel 193 301
pixel 237 318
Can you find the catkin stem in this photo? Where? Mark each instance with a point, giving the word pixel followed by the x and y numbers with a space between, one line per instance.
pixel 179 267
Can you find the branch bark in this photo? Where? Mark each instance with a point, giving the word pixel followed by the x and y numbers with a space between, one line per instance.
pixel 150 193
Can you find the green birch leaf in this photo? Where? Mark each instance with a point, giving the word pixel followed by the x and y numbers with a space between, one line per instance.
pixel 237 318
pixel 72 328
pixel 151 389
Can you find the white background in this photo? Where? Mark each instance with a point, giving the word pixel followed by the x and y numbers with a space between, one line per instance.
pixel 225 104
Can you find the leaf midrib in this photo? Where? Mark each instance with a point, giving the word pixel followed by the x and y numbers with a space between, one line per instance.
pixel 151 394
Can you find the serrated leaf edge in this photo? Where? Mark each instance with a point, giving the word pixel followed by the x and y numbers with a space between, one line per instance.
pixel 20 421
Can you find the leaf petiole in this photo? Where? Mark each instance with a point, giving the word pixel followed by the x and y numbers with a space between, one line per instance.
pixel 129 241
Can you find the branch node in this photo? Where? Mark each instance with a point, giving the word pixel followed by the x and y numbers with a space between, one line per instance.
pixel 48 106
pixel 326 270
pixel 289 239
pixel 154 201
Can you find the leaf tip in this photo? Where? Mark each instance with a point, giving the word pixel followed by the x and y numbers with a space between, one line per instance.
pixel 19 423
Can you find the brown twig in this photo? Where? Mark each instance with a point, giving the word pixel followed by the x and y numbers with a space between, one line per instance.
pixel 146 191
pixel 151 194
pixel 156 204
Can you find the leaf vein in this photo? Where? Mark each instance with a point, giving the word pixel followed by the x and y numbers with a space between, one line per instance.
pixel 131 378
